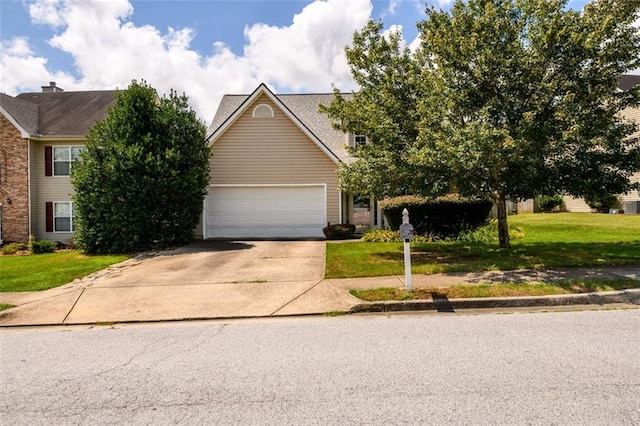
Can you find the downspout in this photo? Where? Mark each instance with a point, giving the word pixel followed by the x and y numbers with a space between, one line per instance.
pixel 29 185
pixel 204 216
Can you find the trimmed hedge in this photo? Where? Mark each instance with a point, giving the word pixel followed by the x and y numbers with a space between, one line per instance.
pixel 441 217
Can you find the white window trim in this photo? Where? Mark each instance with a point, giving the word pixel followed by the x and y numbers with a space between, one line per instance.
pixel 355 143
pixel 53 158
pixel 70 217
pixel 262 106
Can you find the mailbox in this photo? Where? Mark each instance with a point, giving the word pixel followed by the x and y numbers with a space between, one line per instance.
pixel 406 232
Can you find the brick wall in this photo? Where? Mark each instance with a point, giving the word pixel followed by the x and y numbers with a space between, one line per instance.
pixel 14 184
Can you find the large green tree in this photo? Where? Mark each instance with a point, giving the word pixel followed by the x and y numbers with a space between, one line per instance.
pixel 515 98
pixel 385 109
pixel 141 181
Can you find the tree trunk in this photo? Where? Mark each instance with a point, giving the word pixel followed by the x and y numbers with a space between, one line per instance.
pixel 503 226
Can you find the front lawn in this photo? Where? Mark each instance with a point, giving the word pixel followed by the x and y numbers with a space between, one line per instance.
pixel 550 241
pixel 44 271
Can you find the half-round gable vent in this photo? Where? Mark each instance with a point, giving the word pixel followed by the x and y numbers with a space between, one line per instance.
pixel 262 111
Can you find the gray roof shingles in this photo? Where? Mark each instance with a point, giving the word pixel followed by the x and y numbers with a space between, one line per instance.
pixel 23 112
pixel 628 81
pixel 58 113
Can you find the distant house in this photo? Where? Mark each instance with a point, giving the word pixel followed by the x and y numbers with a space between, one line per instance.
pixel 273 169
pixel 630 201
pixel 41 135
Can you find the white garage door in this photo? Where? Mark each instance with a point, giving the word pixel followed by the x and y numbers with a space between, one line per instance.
pixel 265 212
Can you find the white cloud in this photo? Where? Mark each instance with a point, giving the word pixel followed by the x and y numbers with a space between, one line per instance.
pixel 22 70
pixel 308 54
pixel 50 12
pixel 109 51
pixel 441 4
pixel 392 7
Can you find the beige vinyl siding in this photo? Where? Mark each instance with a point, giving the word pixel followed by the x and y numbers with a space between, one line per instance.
pixel 576 205
pixel 255 151
pixel 633 195
pixel 632 114
pixel 45 189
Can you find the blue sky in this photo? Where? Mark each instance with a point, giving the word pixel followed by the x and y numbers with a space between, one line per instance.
pixel 204 48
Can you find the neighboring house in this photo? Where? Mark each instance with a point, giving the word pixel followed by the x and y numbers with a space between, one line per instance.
pixel 41 134
pixel 273 169
pixel 631 200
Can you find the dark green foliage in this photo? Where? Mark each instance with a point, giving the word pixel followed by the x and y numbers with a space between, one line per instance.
pixel 601 202
pixel 42 246
pixel 441 217
pixel 385 109
pixel 142 180
pixel 341 231
pixel 548 203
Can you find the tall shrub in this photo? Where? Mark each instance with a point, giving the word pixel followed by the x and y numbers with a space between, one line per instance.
pixel 141 182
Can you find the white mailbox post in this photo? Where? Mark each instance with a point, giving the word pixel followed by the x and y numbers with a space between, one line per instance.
pixel 406 233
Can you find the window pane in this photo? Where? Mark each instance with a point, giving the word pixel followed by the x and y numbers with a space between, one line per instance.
pixel 61 168
pixel 62 224
pixel 76 151
pixel 62 209
pixel 61 153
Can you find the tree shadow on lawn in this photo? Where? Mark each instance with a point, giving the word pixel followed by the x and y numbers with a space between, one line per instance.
pixel 485 257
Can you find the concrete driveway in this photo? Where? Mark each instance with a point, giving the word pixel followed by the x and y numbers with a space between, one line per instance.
pixel 219 262
pixel 207 279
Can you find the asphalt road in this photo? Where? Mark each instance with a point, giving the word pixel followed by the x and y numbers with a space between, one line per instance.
pixel 565 368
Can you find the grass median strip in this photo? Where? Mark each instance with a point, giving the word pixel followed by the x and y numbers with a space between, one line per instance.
pixel 4 306
pixel 497 290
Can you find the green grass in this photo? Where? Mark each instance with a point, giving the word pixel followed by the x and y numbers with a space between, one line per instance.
pixel 44 271
pixel 4 306
pixel 498 290
pixel 550 241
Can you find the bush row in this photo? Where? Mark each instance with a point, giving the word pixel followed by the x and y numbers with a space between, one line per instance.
pixel 439 218
pixel 487 233
pixel 35 246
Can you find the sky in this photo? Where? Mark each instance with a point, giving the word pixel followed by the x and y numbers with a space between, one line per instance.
pixel 203 48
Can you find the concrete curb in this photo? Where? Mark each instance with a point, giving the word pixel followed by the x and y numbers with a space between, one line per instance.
pixel 443 304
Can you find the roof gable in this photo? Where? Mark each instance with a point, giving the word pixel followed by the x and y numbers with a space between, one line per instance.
pixel 23 115
pixel 301 109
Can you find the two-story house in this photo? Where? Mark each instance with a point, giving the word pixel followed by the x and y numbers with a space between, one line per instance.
pixel 274 169
pixel 41 135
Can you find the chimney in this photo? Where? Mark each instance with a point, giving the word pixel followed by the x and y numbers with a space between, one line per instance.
pixel 51 88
